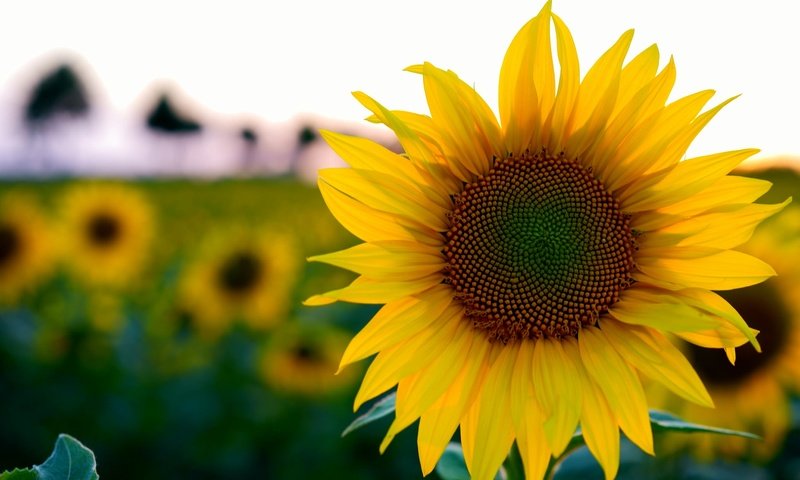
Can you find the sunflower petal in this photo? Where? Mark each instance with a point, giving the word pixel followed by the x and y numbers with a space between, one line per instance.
pixel 558 392
pixel 619 385
pixel 652 354
pixel 389 260
pixel 599 425
pixel 415 396
pixel 407 357
pixel 494 431
pixel 397 321
pixel 438 424
pixel 700 267
pixel 526 78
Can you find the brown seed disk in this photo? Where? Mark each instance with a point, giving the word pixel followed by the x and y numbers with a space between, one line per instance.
pixel 537 248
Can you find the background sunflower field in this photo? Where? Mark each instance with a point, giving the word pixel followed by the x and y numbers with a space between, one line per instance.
pixel 199 385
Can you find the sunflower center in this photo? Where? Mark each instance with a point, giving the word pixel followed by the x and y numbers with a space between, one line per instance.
pixel 537 248
pixel 240 272
pixel 103 229
pixel 9 244
pixel 763 308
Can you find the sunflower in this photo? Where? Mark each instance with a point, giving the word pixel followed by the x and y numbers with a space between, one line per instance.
pixel 107 232
pixel 530 267
pixel 241 274
pixel 302 360
pixel 26 255
pixel 764 379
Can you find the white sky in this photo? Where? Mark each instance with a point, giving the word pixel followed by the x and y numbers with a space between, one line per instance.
pixel 276 59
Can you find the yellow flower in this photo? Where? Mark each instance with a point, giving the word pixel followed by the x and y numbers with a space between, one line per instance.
pixel 26 254
pixel 241 274
pixel 530 267
pixel 753 395
pixel 107 230
pixel 302 360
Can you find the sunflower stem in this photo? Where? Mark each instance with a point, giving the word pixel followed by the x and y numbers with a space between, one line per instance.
pixel 513 464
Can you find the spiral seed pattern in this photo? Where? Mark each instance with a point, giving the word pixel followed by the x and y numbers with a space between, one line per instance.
pixel 537 248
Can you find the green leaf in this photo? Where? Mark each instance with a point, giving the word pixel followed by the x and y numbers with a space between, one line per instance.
pixel 667 422
pixel 378 410
pixel 70 460
pixel 452 466
pixel 19 474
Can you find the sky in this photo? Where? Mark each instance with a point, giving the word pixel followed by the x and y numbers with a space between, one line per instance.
pixel 275 60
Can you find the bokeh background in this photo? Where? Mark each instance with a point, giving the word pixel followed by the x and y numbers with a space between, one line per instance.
pixel 158 201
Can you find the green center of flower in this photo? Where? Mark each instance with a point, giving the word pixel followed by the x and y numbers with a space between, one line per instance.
pixel 240 273
pixel 103 229
pixel 763 308
pixel 9 244
pixel 537 248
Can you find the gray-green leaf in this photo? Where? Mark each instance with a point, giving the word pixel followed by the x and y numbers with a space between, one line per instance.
pixel 70 460
pixel 665 421
pixel 379 409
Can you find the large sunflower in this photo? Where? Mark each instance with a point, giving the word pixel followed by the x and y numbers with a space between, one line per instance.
pixel 25 249
pixel 240 274
pixel 531 266
pixel 107 232
pixel 764 379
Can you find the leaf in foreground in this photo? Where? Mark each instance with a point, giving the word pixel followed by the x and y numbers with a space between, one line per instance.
pixel 69 460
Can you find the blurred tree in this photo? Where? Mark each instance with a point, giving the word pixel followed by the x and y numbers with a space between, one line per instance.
pixel 165 119
pixel 58 94
pixel 250 139
pixel 305 137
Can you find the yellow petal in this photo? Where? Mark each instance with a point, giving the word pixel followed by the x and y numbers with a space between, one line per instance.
pixel 599 425
pixel 644 103
pixel 640 148
pixel 532 442
pixel 387 260
pixel 388 194
pixel 470 137
pixel 661 310
pixel 526 78
pixel 365 290
pixel 716 305
pixel 494 431
pixel 362 221
pixel 439 422
pixel 558 392
pixel 682 181
pixel 597 82
pixel 637 74
pixel 568 85
pixel 723 228
pixel 407 357
pixel 619 384
pixel 652 354
pixel 417 394
pixel 727 190
pixel 364 154
pixel 701 267
pixel 397 321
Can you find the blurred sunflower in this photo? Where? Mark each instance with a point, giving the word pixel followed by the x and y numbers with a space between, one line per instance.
pixel 26 254
pixel 765 379
pixel 241 274
pixel 552 248
pixel 303 360
pixel 107 231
